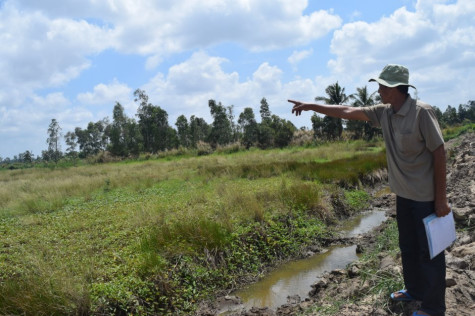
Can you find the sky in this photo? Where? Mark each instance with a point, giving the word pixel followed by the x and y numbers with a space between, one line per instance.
pixel 72 60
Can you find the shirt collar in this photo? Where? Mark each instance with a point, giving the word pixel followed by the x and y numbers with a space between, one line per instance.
pixel 405 107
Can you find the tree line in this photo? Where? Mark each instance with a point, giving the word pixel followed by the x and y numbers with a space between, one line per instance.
pixel 150 131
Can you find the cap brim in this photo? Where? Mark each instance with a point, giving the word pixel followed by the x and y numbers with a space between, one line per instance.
pixel 390 84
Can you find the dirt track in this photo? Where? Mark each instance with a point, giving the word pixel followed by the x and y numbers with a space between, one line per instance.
pixel 348 285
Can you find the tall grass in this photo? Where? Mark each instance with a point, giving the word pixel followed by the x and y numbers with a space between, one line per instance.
pixel 156 236
pixel 455 131
pixel 39 190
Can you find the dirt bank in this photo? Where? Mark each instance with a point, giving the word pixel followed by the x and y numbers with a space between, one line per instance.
pixel 350 288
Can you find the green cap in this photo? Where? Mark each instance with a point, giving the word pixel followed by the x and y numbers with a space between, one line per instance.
pixel 393 76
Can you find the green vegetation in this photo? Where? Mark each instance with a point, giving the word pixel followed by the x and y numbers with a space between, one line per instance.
pixel 357 199
pixel 158 236
pixel 455 131
pixel 382 283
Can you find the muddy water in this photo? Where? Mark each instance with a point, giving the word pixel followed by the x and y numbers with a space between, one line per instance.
pixel 363 223
pixel 296 277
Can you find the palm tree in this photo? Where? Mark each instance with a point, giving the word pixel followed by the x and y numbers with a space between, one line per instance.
pixel 361 128
pixel 333 127
pixel 362 97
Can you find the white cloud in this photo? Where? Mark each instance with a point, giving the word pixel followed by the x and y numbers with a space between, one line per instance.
pixel 298 56
pixel 37 52
pixel 106 94
pixel 24 128
pixel 436 42
pixel 37 109
pixel 189 85
pixel 159 28
pixel 257 25
pixel 267 79
pixel 199 74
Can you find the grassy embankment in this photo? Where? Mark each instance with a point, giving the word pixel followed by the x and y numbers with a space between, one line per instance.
pixel 157 236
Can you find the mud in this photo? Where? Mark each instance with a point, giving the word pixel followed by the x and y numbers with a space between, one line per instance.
pixel 349 285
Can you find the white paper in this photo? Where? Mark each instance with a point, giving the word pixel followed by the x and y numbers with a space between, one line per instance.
pixel 440 232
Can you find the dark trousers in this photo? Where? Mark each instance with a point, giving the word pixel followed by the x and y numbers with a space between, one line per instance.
pixel 424 278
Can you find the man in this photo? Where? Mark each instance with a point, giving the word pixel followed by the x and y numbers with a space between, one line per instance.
pixel 417 175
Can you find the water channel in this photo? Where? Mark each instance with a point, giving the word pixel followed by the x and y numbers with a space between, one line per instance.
pixel 296 277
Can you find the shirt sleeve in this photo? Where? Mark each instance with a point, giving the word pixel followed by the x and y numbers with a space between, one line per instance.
pixel 374 113
pixel 430 129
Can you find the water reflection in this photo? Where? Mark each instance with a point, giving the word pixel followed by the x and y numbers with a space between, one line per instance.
pixel 364 223
pixel 296 277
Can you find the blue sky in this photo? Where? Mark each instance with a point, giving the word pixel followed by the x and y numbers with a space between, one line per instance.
pixel 73 59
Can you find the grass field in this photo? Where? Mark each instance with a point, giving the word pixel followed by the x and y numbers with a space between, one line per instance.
pixel 158 236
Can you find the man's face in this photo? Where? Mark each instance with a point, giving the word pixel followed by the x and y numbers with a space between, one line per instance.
pixel 386 93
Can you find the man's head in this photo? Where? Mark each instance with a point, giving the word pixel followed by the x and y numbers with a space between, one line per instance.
pixel 393 83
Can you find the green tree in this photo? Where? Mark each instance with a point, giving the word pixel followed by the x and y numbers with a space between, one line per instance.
pixel 172 138
pixel 71 140
pixel 317 126
pixel 333 127
pixel 265 130
pixel 283 131
pixel 466 112
pixel 199 130
pixel 153 123
pixel 471 111
pixel 265 135
pixel 26 157
pixel 450 116
pixel 439 115
pixel 53 141
pixel 249 127
pixel 93 139
pixel 124 134
pixel 265 112
pixel 234 126
pixel 134 138
pixel 221 132
pixel 183 131
pixel 361 129
pixel 118 132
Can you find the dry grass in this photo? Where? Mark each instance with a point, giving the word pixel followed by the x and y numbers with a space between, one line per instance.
pixel 44 190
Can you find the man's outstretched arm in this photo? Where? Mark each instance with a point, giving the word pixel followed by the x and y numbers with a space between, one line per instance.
pixel 340 111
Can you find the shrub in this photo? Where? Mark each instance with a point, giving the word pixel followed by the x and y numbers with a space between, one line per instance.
pixel 230 148
pixel 302 138
pixel 204 148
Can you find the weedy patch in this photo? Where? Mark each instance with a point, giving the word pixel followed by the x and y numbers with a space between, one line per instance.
pixel 159 235
pixel 357 199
